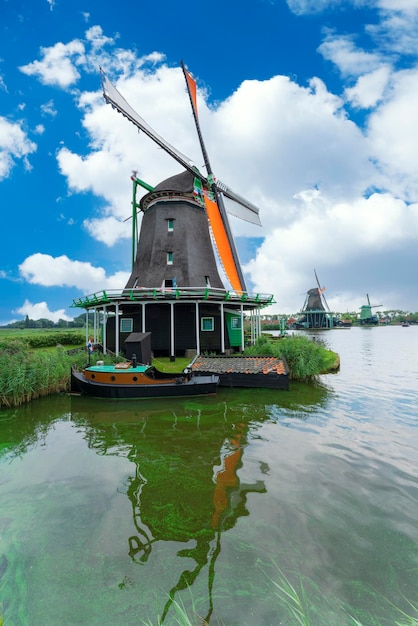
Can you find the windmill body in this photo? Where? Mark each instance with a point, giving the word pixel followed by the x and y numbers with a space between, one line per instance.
pixel 175 248
pixel 186 286
pixel 315 313
pixel 367 318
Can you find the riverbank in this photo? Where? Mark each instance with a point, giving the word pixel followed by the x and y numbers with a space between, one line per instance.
pixel 27 374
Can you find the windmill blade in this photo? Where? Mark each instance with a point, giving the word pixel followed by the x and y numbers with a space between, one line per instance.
pixel 317 280
pixel 326 304
pixel 115 98
pixel 321 291
pixel 246 210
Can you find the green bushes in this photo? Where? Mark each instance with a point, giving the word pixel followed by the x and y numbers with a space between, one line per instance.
pixel 306 358
pixel 43 339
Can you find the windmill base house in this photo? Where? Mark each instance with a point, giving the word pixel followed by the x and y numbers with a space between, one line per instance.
pixel 175 303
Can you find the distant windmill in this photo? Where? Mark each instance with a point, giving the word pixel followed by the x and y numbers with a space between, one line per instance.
pixel 315 311
pixel 366 315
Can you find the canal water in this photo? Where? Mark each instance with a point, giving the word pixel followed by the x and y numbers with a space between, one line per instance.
pixel 248 508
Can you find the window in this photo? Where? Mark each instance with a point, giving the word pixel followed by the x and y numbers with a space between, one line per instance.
pixel 126 325
pixel 170 225
pixel 207 323
pixel 169 258
pixel 235 322
pixel 170 283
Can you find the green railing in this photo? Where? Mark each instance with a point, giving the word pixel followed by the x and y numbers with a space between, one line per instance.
pixel 189 293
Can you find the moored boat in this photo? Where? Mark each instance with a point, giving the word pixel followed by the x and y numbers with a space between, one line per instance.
pixel 130 380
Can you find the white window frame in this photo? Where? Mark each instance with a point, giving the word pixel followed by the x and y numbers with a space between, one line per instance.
pixel 202 324
pixel 126 321
pixel 236 323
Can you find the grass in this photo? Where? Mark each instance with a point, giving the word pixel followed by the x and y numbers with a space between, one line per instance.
pixel 305 358
pixel 27 374
pixel 298 606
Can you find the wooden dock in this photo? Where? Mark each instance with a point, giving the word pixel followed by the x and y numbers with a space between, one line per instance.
pixel 265 372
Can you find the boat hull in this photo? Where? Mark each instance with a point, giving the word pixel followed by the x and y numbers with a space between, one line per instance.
pixel 178 387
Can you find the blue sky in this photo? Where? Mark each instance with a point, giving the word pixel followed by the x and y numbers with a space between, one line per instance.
pixel 308 109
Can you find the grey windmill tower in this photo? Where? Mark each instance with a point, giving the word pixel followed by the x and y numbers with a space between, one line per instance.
pixel 186 287
pixel 315 312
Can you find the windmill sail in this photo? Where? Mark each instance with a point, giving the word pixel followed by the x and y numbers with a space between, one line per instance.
pixel 115 98
pixel 216 211
pixel 223 246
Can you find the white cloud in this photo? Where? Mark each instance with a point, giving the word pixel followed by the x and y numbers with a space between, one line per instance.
pixel 350 60
pixel 336 238
pixel 40 310
pixel 47 271
pixel 49 109
pixel 58 64
pixel 393 131
pixel 14 144
pixel 369 88
pixel 3 85
pixel 108 230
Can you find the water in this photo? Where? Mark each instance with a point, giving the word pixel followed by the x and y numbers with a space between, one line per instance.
pixel 129 512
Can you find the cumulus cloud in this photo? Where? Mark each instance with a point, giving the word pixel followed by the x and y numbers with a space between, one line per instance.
pixel 350 60
pixel 47 271
pixel 14 144
pixel 40 310
pixel 340 236
pixel 58 65
pixel 369 88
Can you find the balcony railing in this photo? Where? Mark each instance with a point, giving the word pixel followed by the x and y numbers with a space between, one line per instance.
pixel 141 294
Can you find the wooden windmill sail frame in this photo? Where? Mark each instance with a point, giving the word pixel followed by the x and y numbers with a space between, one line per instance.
pixel 213 190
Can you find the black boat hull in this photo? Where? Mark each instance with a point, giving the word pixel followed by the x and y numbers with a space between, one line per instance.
pixel 195 386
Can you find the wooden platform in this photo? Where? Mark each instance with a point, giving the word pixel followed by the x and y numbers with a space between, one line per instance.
pixel 245 371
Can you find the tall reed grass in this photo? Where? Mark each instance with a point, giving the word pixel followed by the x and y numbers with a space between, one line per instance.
pixel 305 357
pixel 27 374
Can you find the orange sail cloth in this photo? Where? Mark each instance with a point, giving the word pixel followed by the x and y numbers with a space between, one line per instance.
pixel 191 83
pixel 222 243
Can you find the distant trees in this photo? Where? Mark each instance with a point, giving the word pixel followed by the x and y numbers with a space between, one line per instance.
pixel 77 322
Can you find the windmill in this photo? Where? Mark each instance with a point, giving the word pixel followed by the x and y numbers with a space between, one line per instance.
pixel 366 315
pixel 184 257
pixel 207 190
pixel 315 311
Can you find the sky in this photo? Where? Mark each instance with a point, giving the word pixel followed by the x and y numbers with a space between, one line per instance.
pixel 308 108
